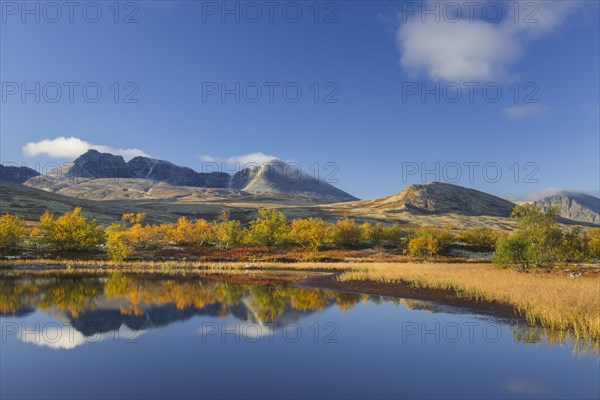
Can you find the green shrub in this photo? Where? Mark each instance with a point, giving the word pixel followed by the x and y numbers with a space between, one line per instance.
pixel 537 242
pixel 227 232
pixel 394 234
pixel 269 229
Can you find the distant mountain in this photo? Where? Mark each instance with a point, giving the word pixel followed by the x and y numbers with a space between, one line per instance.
pixel 442 198
pixel 93 172
pixel 16 174
pixel 574 206
pixel 281 177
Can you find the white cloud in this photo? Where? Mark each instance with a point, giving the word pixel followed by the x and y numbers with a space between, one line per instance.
pixel 540 194
pixel 72 147
pixel 473 49
pixel 519 112
pixel 548 192
pixel 244 159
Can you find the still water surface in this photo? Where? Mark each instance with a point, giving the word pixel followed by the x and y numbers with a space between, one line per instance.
pixel 135 336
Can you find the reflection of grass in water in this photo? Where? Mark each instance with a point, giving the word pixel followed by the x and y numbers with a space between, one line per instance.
pixel 582 347
pixel 553 301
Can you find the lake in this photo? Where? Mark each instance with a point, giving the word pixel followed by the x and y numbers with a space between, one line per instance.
pixel 141 336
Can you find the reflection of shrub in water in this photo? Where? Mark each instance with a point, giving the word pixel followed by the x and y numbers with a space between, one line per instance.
pixel 75 294
pixel 69 294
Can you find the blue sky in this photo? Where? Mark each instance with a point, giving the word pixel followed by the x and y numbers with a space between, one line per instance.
pixel 362 69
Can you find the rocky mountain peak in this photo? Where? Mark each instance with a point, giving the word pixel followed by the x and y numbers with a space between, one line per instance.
pixel 94 164
pixel 575 206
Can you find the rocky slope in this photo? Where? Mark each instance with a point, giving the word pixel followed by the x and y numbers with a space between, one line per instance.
pixel 574 206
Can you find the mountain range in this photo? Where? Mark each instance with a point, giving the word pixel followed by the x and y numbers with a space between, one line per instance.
pixel 166 191
pixel 94 170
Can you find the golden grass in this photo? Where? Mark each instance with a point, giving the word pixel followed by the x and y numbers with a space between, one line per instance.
pixel 51 266
pixel 553 301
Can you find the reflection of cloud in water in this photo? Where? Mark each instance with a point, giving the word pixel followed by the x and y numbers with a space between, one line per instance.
pixel 248 330
pixel 522 386
pixel 64 337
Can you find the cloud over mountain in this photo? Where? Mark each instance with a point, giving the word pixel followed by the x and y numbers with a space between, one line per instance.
pixel 258 158
pixel 71 147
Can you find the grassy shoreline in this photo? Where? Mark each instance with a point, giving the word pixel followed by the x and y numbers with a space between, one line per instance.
pixel 551 300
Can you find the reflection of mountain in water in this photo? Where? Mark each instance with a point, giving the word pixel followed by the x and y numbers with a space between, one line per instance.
pixel 93 322
pixel 99 305
pixel 97 321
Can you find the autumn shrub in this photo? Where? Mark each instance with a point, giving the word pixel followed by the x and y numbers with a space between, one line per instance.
pixel 70 231
pixel 373 234
pixel 345 232
pixel 120 243
pixel 187 232
pixel 12 231
pixel 310 233
pixel 480 237
pixel 428 242
pixel 594 243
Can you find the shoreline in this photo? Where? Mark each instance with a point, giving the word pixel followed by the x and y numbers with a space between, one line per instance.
pixel 404 290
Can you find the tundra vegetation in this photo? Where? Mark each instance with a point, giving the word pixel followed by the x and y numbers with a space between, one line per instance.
pixel 538 242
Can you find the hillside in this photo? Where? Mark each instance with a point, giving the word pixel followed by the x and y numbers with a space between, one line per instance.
pixel 29 203
pixel 441 198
